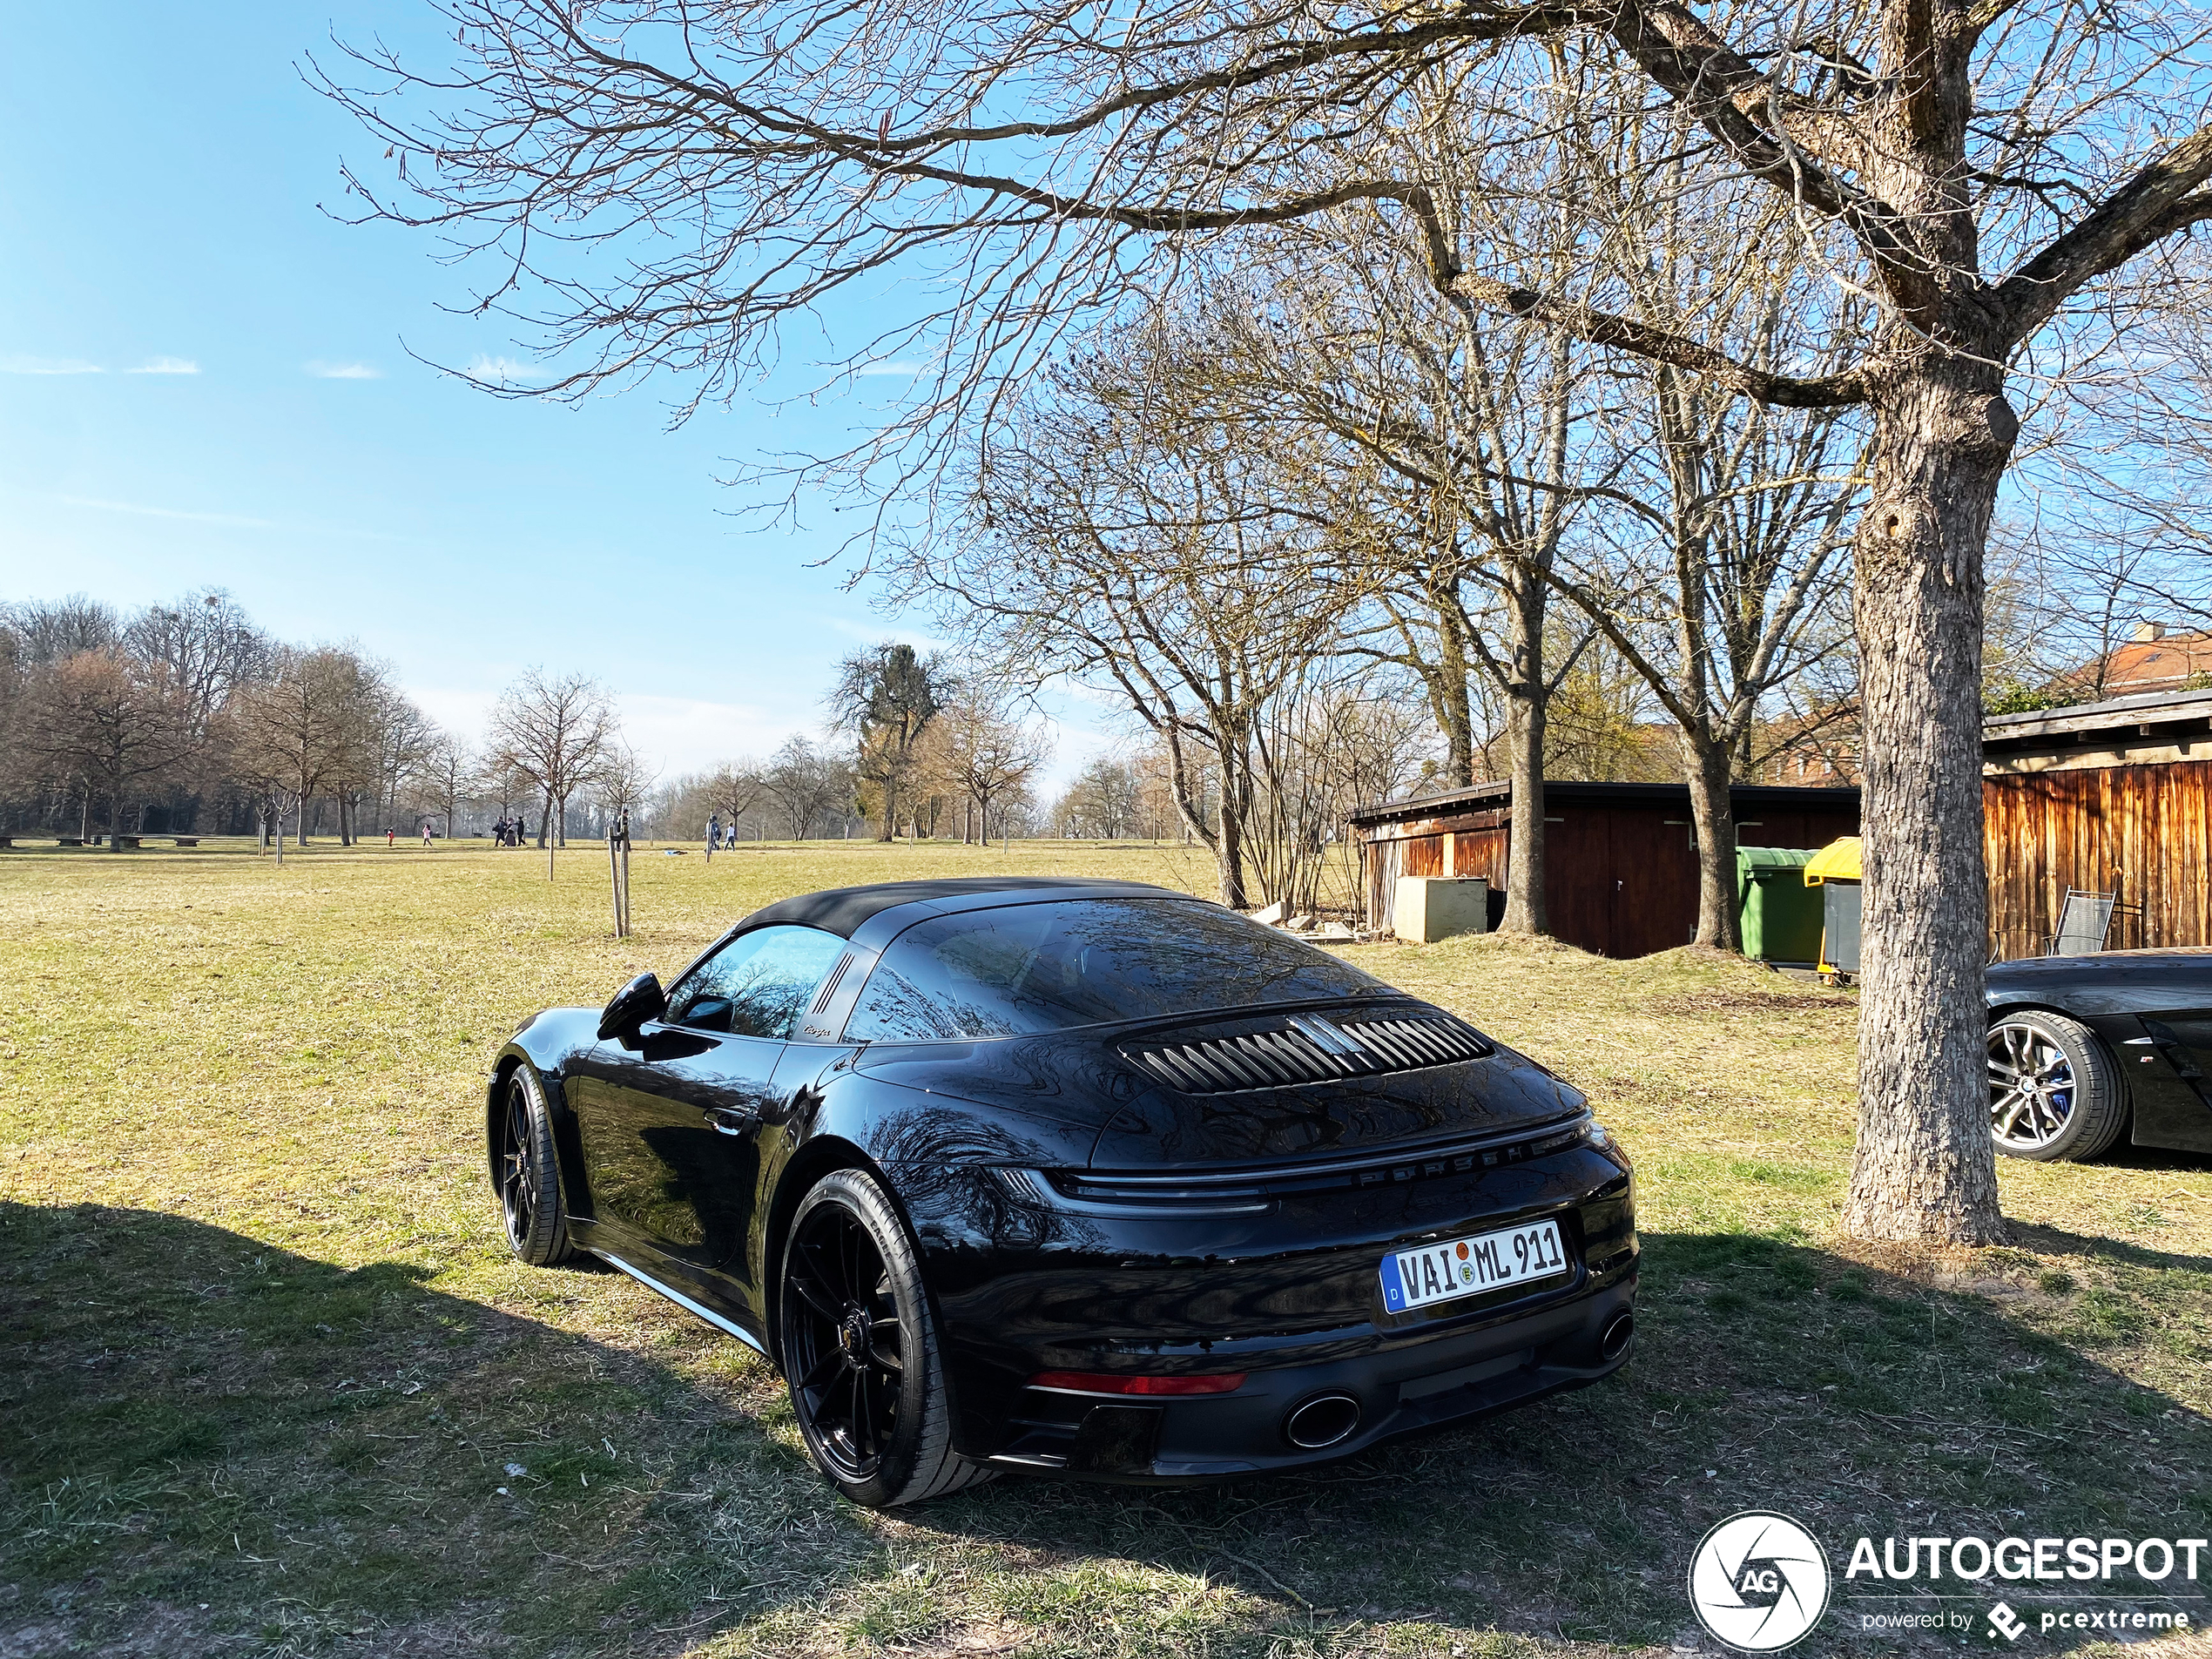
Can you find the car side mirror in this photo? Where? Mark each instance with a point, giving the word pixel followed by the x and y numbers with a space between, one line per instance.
pixel 634 1003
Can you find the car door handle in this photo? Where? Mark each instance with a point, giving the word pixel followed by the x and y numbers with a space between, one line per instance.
pixel 729 1121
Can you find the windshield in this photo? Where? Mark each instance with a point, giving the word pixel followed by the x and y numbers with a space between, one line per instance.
pixel 1021 968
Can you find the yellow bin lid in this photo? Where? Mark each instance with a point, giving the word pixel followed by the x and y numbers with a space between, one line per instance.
pixel 1838 861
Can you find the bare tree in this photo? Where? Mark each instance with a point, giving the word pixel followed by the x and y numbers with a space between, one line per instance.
pixel 1975 166
pixel 808 783
pixel 48 631
pixel 303 727
pixel 556 732
pixel 1121 537
pixel 1470 423
pixel 449 773
pixel 208 645
pixel 394 749
pixel 983 753
pixel 1101 803
pixel 737 787
pixel 110 722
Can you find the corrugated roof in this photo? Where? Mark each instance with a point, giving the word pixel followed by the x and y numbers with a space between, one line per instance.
pixel 2114 713
pixel 1496 796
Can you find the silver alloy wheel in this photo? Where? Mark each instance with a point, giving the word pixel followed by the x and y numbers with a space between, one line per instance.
pixel 2032 1086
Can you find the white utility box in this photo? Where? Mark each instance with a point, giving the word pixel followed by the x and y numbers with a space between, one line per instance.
pixel 1430 907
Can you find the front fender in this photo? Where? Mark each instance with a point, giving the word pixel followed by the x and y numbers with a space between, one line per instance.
pixel 548 1041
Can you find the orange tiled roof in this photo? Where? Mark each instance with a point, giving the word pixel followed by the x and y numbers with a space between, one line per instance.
pixel 2157 665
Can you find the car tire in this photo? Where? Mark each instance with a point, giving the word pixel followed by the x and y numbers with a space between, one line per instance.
pixel 528 1171
pixel 2054 1091
pixel 851 1297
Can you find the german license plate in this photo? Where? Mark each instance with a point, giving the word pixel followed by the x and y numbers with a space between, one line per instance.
pixel 1416 1278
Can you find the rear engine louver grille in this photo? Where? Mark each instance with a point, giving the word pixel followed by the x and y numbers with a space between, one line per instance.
pixel 1309 1049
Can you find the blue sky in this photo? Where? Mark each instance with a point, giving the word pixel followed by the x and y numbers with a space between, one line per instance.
pixel 204 380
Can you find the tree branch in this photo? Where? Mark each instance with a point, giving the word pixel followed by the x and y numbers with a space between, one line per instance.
pixel 2165 196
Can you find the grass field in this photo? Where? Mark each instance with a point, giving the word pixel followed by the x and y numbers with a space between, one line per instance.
pixel 271 1385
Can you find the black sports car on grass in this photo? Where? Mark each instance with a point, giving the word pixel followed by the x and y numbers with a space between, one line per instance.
pixel 1074 1175
pixel 2084 1049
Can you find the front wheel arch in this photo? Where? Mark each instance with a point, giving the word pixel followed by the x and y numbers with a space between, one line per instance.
pixel 2100 1105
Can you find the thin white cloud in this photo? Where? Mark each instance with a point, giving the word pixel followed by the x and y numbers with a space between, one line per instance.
pixel 165 366
pixel 19 364
pixel 228 521
pixel 323 371
pixel 232 520
pixel 500 371
pixel 874 633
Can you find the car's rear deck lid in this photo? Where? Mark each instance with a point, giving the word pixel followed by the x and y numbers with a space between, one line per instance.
pixel 1308 1048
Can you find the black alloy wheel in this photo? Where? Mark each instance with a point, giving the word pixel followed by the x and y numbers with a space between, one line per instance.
pixel 860 1349
pixel 528 1173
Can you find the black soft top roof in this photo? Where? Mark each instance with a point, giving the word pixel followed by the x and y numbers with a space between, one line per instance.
pixel 843 911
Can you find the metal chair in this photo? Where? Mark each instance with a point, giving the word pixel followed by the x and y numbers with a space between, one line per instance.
pixel 2084 920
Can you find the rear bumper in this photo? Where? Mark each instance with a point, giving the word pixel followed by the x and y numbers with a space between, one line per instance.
pixel 1402 1385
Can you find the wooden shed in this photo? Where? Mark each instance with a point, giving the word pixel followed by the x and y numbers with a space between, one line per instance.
pixel 1620 867
pixel 2113 797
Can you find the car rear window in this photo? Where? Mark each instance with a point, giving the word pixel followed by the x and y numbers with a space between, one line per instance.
pixel 1018 969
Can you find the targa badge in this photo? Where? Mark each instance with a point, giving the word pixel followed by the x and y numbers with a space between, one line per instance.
pixel 1758 1582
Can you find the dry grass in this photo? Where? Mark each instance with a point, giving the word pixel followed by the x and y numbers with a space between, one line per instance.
pixel 268 1366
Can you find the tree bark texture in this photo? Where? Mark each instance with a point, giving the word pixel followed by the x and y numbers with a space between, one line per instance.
pixel 1448 698
pixel 1925 1166
pixel 1712 820
pixel 1229 842
pixel 1526 706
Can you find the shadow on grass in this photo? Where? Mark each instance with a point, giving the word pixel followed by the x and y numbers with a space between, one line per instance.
pixel 212 1444
pixel 1768 1375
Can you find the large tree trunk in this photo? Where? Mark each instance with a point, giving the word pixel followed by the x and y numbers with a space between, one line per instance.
pixel 1448 696
pixel 1926 1167
pixel 1229 844
pixel 1526 705
pixel 1712 819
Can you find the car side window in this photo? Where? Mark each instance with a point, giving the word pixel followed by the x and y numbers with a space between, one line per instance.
pixel 758 984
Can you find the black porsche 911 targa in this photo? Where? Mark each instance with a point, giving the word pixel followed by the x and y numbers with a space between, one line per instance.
pixel 1082 1177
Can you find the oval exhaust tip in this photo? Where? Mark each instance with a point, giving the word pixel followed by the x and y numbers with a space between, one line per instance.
pixel 1614 1342
pixel 1322 1421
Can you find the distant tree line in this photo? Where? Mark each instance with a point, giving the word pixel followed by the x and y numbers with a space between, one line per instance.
pixel 187 718
pixel 916 749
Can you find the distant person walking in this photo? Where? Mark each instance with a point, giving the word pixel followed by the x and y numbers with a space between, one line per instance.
pixel 426 831
pixel 391 835
pixel 713 835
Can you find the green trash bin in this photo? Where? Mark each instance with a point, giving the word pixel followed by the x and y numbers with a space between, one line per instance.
pixel 1780 915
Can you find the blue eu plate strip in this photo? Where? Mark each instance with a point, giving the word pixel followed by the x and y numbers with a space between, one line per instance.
pixel 1394 1289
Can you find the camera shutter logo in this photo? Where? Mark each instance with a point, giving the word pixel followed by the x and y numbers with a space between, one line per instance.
pixel 1759 1581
